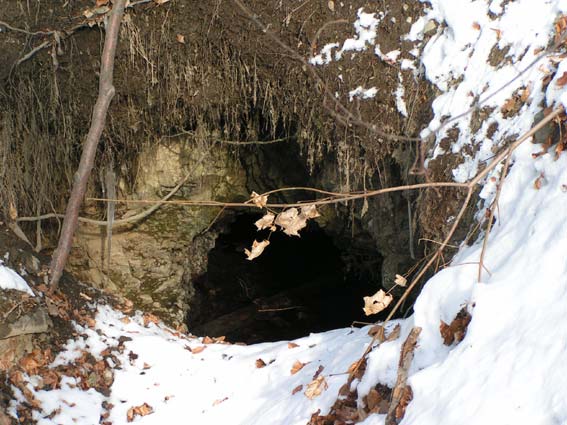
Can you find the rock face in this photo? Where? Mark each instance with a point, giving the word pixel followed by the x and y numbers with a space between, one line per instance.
pixel 16 337
pixel 23 317
pixel 151 260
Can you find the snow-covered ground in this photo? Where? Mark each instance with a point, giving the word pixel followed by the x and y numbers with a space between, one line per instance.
pixel 511 366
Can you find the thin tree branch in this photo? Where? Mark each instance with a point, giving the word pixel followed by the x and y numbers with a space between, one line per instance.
pixel 106 93
pixel 11 28
pixel 491 216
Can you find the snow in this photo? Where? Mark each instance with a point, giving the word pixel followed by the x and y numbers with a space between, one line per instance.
pixel 509 369
pixel 362 93
pixel 365 28
pixel 221 384
pixel 400 93
pixel 9 279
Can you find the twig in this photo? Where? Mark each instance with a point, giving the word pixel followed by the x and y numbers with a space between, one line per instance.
pixel 437 242
pixel 468 263
pixel 491 216
pixel 214 220
pixel 15 306
pixel 320 30
pixel 344 197
pixel 232 142
pixel 357 322
pixel 106 93
pixel 123 221
pixel 339 197
pixel 10 27
pixel 32 52
pixel 266 310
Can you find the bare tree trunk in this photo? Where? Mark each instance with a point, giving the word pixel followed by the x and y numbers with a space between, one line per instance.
pixel 105 95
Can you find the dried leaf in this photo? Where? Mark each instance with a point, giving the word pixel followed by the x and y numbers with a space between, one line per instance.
pixel 498 33
pixel 291 221
pixel 476 26
pixel 561 81
pixel 525 94
pixel 259 200
pixel 400 281
pixel 316 387
pixel 142 410
pixel 354 366
pixel 296 389
pixel 180 38
pixel 373 399
pixel 331 5
pixel 310 211
pixel 219 401
pixel 257 249
pixel 150 318
pixel 292 345
pixel 318 371
pixel 538 183
pixel 377 332
pixel 377 302
pixel 509 105
pixel 265 222
pixel 456 331
pixel 395 334
pixel 29 364
pixel 446 333
pixel 208 340
pixel 559 149
pixel 407 396
pixel 260 363
pixel 160 1
pixel 297 366
pixel 344 390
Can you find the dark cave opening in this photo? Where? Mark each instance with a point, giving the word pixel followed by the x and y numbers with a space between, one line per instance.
pixel 297 286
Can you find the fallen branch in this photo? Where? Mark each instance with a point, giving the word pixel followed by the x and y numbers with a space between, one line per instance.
pixel 400 391
pixel 106 93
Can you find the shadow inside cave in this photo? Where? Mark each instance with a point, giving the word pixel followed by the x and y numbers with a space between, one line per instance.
pixel 297 286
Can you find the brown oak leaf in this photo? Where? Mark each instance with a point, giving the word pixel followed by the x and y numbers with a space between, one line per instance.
pixel 257 249
pixel 377 302
pixel 296 367
pixel 316 387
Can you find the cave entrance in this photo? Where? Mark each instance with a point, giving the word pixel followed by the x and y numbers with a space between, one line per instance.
pixel 297 286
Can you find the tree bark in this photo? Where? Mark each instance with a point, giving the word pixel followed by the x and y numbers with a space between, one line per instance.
pixel 105 95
